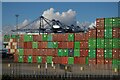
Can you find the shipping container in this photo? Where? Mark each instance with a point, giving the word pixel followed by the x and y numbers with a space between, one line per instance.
pixel 100 33
pixel 50 37
pixel 115 22
pixel 79 60
pixel 20 58
pixel 55 44
pixel 84 44
pixel 28 38
pixel 64 60
pixel 108 43
pixel 84 52
pixel 116 53
pixel 34 59
pixel 116 43
pixel 15 58
pixel 115 62
pixel 108 61
pixel 42 45
pixel 43 59
pixel 92 53
pixel 115 33
pixel 100 61
pixel 70 37
pixel 65 52
pixel 108 22
pixel 20 51
pixel 44 37
pixel 25 59
pixel 70 60
pixel 50 45
pixel 76 52
pixel 100 42
pixel 62 44
pixel 79 36
pixel 49 59
pixel 60 52
pixel 27 45
pixel 37 38
pixel 28 52
pixel 76 45
pixel 35 45
pixel 30 59
pixel 92 33
pixel 92 43
pixel 108 33
pixel 108 53
pixel 55 37
pixel 56 60
pixel 100 23
pixel 70 52
pixel 100 53
pixel 70 44
pixel 92 61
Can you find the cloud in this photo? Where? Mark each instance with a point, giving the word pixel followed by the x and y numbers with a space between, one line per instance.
pixel 68 17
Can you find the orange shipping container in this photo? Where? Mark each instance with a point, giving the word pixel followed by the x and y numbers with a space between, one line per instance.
pixel 28 52
pixel 100 61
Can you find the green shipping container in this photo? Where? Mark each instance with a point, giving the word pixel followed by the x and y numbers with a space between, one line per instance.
pixel 29 59
pixel 28 38
pixel 65 52
pixel 115 66
pixel 76 45
pixel 50 44
pixel 115 62
pixel 70 37
pixel 92 53
pixel 108 53
pixel 49 59
pixel 92 43
pixel 108 22
pixel 49 37
pixel 60 52
pixel 7 36
pixel 39 59
pixel 108 43
pixel 115 22
pixel 108 33
pixel 100 43
pixel 44 37
pixel 70 60
pixel 76 52
pixel 116 43
pixel 34 44
pixel 21 51
pixel 20 59
pixel 55 44
pixel 87 60
pixel 118 22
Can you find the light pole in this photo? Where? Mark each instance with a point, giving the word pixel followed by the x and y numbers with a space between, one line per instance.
pixel 17 21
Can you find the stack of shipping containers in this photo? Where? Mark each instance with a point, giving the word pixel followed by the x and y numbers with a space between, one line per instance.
pixel 99 46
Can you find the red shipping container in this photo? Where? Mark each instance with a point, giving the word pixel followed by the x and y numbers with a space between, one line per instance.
pixel 100 23
pixel 115 33
pixel 108 61
pixel 34 58
pixel 79 36
pixel 54 37
pixel 70 44
pixel 116 53
pixel 56 60
pixel 100 53
pixel 20 44
pixel 43 52
pixel 42 45
pixel 92 61
pixel 84 52
pixel 84 44
pixel 86 36
pixel 50 52
pixel 62 44
pixel 65 37
pixel 79 60
pixel 37 37
pixel 100 61
pixel 15 58
pixel 92 33
pixel 27 45
pixel 100 33
pixel 21 39
pixel 43 59
pixel 64 60
pixel 25 59
pixel 28 52
pixel 54 52
pixel 36 52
